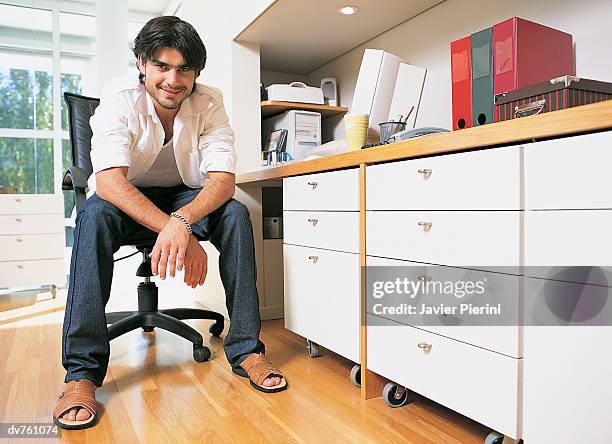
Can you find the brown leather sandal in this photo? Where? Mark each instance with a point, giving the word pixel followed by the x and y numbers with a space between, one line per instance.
pixel 257 368
pixel 76 394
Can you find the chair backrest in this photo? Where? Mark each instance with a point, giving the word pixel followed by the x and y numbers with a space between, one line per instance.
pixel 80 110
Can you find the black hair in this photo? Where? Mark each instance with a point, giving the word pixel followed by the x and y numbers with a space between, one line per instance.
pixel 168 31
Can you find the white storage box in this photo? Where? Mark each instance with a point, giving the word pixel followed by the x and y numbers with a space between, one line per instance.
pixel 295 92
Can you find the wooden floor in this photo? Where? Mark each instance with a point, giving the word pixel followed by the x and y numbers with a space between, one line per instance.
pixel 156 392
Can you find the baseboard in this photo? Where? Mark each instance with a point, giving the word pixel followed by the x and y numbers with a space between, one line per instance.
pixel 272 312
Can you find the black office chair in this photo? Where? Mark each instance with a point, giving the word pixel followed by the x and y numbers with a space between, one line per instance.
pixel 148 316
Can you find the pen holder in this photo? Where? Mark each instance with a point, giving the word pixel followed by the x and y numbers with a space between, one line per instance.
pixel 387 129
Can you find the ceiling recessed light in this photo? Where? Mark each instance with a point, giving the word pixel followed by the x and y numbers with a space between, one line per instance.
pixel 347 10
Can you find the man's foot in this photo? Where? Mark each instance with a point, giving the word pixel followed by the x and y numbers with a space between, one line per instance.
pixel 76 407
pixel 262 374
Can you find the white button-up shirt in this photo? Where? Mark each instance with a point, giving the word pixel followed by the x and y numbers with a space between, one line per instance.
pixel 128 133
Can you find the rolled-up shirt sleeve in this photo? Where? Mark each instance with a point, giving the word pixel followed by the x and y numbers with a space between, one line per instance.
pixel 111 137
pixel 217 141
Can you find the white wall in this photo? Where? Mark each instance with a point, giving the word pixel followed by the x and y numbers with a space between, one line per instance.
pixel 112 49
pixel 425 41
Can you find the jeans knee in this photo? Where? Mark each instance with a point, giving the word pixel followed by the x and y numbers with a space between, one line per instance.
pixel 237 212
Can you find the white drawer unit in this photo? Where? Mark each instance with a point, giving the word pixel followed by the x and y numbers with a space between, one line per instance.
pixel 333 191
pixel 459 238
pixel 473 381
pixel 479 180
pixel 502 333
pixel 322 297
pixel 31 240
pixel 569 173
pixel 324 229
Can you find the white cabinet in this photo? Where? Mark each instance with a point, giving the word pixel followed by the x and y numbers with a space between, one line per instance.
pixel 459 210
pixel 321 259
pixel 31 240
pixel 568 249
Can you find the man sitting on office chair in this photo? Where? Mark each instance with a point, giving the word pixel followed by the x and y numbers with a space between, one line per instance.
pixel 160 142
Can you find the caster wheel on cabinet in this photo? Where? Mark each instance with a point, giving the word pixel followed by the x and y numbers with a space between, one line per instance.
pixel 494 438
pixel 216 329
pixel 201 353
pixel 313 349
pixel 356 375
pixel 395 395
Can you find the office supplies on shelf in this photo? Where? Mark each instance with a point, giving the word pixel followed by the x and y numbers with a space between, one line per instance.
pixel 295 92
pixel 555 94
pixel 526 53
pixel 482 77
pixel 387 129
pixel 461 77
pixel 303 131
pixel 329 88
pixel 277 140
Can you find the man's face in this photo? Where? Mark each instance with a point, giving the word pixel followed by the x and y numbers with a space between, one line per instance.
pixel 167 78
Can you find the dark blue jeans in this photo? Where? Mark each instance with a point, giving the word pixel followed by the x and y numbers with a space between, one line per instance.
pixel 100 230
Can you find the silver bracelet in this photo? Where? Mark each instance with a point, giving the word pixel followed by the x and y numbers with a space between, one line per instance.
pixel 182 219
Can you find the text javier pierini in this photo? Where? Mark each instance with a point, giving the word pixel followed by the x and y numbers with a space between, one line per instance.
pixel 440 309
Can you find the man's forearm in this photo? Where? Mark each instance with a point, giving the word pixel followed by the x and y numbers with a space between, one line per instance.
pixel 132 202
pixel 215 193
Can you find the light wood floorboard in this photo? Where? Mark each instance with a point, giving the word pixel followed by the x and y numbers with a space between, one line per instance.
pixel 155 391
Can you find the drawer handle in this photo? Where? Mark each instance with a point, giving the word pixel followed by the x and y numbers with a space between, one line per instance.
pixel 314 259
pixel 19 239
pixel 20 267
pixel 425 278
pixel 426 172
pixel 426 225
pixel 314 222
pixel 313 184
pixel 18 220
pixel 425 347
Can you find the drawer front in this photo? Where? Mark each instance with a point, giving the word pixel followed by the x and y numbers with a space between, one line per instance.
pixel 477 383
pixel 459 238
pixel 324 229
pixel 571 245
pixel 31 246
pixel 336 190
pixel 32 224
pixel 569 173
pixel 500 289
pixel 322 298
pixel 481 180
pixel 31 204
pixel 26 273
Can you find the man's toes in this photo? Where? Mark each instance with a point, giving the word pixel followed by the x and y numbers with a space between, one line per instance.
pixel 70 415
pixel 271 382
pixel 82 415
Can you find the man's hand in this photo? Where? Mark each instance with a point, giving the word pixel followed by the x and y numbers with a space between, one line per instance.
pixel 196 263
pixel 170 248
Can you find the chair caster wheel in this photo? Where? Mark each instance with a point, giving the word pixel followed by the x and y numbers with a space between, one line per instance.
pixel 313 349
pixel 356 375
pixel 395 395
pixel 216 329
pixel 494 438
pixel 201 353
pixel 148 329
